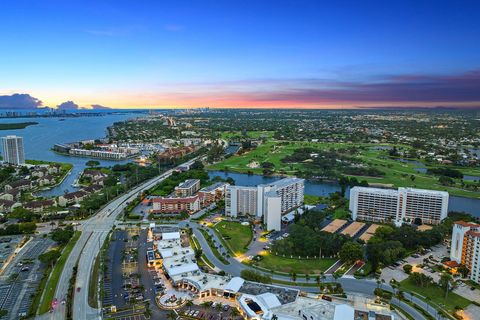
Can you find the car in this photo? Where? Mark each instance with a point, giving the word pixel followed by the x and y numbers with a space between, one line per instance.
pixel 78 289
pixel 25 269
pixel 226 307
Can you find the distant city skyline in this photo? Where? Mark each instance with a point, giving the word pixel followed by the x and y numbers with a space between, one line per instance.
pixel 269 54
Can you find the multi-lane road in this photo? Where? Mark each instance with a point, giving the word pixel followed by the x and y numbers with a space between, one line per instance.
pixel 94 232
pixel 363 286
pixel 96 229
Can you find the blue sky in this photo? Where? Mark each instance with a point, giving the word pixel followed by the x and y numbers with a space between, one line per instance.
pixel 241 53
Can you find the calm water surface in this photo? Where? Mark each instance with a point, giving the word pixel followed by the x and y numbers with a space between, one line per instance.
pixel 317 188
pixel 40 138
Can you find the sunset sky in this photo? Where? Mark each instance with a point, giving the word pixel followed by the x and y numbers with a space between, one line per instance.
pixel 157 54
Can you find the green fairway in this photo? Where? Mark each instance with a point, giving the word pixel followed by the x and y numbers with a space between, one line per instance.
pixel 286 265
pixel 52 282
pixel 397 173
pixel 437 295
pixel 249 134
pixel 236 235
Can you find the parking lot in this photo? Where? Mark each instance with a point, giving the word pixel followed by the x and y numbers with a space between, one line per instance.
pixel 215 311
pixel 122 279
pixel 21 278
pixel 416 260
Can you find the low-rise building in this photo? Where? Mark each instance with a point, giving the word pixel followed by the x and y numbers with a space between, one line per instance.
pixel 93 175
pixel 46 180
pixel 176 205
pixel 22 184
pixel 38 206
pixel 72 198
pixel 212 193
pixel 8 206
pixel 187 188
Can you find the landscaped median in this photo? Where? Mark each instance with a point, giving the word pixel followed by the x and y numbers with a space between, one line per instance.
pixel 51 283
pixel 433 293
pixel 213 247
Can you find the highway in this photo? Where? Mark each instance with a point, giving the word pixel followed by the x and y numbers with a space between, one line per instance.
pixel 94 232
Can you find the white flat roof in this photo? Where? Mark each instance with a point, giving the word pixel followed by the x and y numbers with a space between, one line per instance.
pixel 170 235
pixel 234 284
pixel 344 312
pixel 269 300
pixel 184 268
pixel 166 253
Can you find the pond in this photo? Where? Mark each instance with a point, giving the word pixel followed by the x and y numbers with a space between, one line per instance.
pixel 319 188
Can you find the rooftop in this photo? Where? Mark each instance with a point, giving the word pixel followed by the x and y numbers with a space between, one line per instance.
pixel 188 183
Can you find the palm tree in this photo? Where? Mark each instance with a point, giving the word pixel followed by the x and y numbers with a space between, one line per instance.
pixel 172 315
pixel 294 276
pixel 234 312
pixel 336 275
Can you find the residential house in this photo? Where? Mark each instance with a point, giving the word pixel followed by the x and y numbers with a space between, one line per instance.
pixel 46 180
pixel 22 185
pixel 38 206
pixel 72 198
pixel 8 206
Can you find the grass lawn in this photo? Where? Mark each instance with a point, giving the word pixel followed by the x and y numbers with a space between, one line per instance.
pixel 437 295
pixel 93 285
pixel 311 199
pixel 235 234
pixel 51 286
pixel 286 265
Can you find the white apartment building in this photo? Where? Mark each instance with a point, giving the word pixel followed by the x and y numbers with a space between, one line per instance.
pixel 465 247
pixel 13 151
pixel 399 206
pixel 240 201
pixel 269 201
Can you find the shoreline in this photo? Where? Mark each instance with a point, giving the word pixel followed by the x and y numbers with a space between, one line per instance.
pixel 331 181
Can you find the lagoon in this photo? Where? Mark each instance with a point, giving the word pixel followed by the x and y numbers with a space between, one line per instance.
pixel 40 138
pixel 319 188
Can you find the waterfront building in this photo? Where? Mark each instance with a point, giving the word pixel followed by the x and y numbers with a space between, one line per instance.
pixel 398 206
pixel 13 151
pixel 269 201
pixel 72 198
pixel 465 247
pixel 187 188
pixel 99 154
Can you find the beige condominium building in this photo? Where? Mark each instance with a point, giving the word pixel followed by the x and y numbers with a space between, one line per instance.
pixel 269 201
pixel 465 247
pixel 398 206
